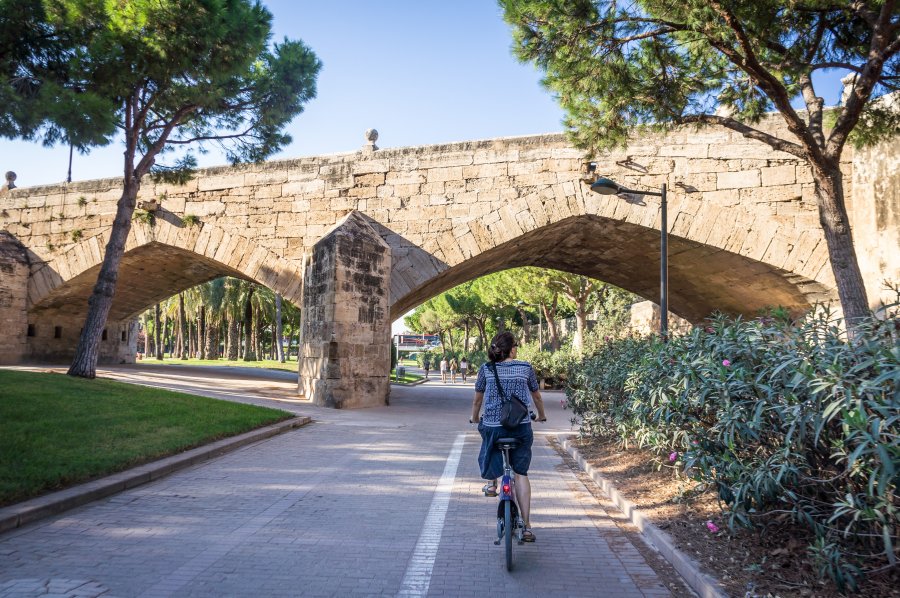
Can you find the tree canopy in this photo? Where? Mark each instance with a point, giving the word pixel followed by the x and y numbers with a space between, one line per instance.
pixel 616 66
pixel 168 74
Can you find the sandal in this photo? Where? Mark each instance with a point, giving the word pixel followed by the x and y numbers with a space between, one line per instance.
pixel 528 535
pixel 489 489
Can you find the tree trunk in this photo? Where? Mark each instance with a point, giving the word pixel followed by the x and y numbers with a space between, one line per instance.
pixel 145 321
pixel 157 335
pixel 248 327
pixel 839 239
pixel 479 323
pixel 181 343
pixel 84 365
pixel 580 325
pixel 201 332
pixel 526 328
pixel 234 341
pixel 550 316
pixel 279 345
pixel 466 339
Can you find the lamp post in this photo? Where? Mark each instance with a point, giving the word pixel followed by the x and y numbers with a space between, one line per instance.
pixel 605 186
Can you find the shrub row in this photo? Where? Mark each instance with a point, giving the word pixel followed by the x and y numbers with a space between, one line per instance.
pixel 786 420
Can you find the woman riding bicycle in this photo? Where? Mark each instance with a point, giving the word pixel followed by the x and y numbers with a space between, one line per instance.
pixel 516 377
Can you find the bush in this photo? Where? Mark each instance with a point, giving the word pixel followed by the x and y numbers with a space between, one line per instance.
pixel 553 369
pixel 785 420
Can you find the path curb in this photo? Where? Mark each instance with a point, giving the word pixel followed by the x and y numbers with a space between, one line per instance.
pixel 19 514
pixel 700 582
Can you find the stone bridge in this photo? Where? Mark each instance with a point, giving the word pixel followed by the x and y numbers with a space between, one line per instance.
pixel 358 239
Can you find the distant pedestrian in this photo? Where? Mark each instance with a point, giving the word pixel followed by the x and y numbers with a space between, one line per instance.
pixel 463 368
pixel 453 367
pixel 444 367
pixel 426 365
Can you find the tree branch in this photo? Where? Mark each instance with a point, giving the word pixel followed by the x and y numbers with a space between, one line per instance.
pixel 211 137
pixel 881 50
pixel 777 143
pixel 147 161
pixel 814 105
pixel 766 81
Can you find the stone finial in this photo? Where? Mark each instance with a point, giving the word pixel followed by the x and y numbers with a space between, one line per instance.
pixel 10 179
pixel 371 138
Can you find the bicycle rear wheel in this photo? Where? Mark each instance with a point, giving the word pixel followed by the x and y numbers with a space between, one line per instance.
pixel 508 532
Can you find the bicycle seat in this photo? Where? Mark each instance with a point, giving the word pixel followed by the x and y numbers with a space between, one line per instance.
pixel 506 443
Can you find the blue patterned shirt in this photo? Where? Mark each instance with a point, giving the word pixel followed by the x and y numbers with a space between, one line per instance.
pixel 516 377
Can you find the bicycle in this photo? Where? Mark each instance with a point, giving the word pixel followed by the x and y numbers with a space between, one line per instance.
pixel 508 520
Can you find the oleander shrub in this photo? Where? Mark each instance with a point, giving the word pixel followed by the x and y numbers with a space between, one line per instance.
pixel 552 368
pixel 786 420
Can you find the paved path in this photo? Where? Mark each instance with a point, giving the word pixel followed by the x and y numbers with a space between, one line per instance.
pixel 368 502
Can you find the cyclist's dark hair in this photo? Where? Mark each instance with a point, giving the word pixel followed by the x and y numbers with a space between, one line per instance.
pixel 501 346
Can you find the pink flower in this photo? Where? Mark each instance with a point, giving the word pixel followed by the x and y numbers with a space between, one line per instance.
pixel 562 403
pixel 694 442
pixel 673 457
pixel 712 527
pixel 726 362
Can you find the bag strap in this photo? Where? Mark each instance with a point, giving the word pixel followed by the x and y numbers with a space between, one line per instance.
pixel 497 380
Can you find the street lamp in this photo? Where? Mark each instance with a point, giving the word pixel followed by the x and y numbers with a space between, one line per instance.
pixel 605 186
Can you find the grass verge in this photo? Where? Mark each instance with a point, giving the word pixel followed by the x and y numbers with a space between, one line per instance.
pixel 57 431
pixel 268 364
pixel 405 378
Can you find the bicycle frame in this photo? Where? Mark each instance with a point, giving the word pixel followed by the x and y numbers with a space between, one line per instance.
pixel 507 494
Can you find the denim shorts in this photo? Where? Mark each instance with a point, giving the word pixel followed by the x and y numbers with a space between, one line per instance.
pixel 491 460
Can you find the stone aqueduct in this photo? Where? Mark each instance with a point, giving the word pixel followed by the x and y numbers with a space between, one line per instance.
pixel 357 239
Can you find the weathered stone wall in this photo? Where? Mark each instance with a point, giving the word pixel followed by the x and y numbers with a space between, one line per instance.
pixel 345 325
pixel 13 292
pixel 644 319
pixel 54 337
pixel 874 210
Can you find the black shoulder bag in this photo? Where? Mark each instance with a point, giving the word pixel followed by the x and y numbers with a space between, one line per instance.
pixel 514 410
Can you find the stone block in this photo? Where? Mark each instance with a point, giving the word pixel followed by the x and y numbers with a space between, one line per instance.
pixel 369 166
pixel 440 175
pixel 769 195
pixel 215 183
pixel 295 188
pixel 737 180
pixel 691 150
pixel 484 171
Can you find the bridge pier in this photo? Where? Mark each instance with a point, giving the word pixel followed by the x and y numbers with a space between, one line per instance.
pixel 345 322
pixel 14 272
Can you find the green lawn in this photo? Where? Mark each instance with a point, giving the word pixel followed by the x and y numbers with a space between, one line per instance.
pixel 407 377
pixel 57 431
pixel 269 364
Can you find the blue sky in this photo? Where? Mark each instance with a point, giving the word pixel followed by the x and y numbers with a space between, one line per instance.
pixel 420 72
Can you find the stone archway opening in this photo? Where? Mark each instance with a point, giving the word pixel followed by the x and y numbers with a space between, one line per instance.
pixel 702 279
pixel 147 275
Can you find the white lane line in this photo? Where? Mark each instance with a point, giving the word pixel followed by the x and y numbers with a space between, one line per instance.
pixel 421 563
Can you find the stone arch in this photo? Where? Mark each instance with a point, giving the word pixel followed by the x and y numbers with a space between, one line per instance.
pixel 714 264
pixel 188 255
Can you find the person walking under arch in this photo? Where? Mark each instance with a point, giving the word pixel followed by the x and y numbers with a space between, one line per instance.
pixel 463 368
pixel 516 377
pixel 426 364
pixel 444 366
pixel 453 367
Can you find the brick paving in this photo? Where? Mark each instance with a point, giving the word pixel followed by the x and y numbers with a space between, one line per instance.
pixel 335 508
